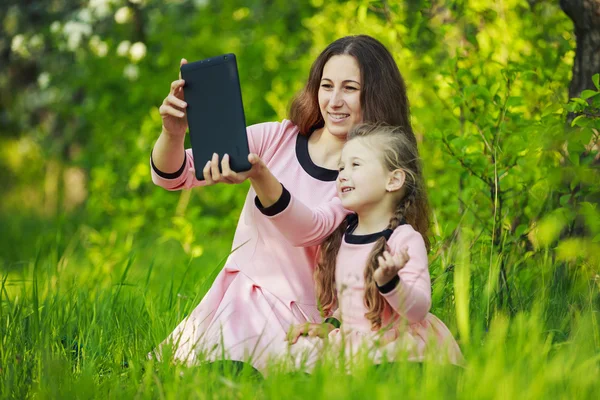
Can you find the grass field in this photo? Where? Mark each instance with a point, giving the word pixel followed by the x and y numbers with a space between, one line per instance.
pixel 81 310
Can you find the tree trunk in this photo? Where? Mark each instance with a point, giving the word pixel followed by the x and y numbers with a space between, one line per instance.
pixel 586 18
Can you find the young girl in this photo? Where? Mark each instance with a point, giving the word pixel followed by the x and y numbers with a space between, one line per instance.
pixel 266 284
pixel 372 275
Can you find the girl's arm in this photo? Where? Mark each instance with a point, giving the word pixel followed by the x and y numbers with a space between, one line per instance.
pixel 409 291
pixel 299 224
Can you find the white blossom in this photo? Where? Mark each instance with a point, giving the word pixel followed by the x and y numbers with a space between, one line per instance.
pixel 84 15
pixel 36 42
pixel 55 27
pixel 99 47
pixel 131 72
pixel 18 44
pixel 74 31
pixel 123 48
pixel 43 80
pixel 101 8
pixel 123 15
pixel 137 51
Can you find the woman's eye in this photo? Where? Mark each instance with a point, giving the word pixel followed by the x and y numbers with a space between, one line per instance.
pixel 351 88
pixel 326 86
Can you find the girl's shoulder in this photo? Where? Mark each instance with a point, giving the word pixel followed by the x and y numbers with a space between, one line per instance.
pixel 405 235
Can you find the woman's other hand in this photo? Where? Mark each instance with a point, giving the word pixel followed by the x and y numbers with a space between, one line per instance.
pixel 309 329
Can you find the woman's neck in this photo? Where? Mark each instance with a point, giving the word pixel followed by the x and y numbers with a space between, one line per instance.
pixel 373 220
pixel 325 149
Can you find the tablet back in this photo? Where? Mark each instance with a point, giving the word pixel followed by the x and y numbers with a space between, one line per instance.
pixel 215 112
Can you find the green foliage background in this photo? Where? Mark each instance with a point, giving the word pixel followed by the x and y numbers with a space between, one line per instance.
pixel 513 185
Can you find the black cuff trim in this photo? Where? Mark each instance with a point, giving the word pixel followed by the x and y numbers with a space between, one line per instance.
pixel 172 175
pixel 391 285
pixel 333 321
pixel 280 205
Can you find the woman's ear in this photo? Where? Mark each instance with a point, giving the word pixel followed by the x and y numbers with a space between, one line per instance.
pixel 396 180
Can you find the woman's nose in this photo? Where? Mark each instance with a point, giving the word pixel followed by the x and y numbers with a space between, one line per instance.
pixel 336 99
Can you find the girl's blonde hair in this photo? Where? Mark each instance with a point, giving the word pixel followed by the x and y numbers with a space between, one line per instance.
pixel 399 151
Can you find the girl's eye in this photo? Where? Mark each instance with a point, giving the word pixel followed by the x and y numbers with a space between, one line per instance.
pixel 355 164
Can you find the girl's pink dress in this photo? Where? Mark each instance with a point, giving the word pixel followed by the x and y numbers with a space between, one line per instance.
pixel 409 330
pixel 267 283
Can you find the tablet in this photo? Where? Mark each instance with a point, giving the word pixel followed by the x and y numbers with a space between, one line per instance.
pixel 215 112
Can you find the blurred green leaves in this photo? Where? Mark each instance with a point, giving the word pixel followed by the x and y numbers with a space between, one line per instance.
pixel 81 83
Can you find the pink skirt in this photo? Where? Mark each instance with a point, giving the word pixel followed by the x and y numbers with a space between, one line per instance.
pixel 425 340
pixel 236 320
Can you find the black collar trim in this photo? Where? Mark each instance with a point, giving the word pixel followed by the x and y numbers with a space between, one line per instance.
pixel 320 173
pixel 350 238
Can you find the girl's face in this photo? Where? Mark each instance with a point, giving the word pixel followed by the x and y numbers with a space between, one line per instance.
pixel 363 179
pixel 339 95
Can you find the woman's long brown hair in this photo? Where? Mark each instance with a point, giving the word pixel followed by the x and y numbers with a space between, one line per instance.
pixel 398 151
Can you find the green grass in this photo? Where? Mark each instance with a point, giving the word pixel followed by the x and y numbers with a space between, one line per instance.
pixel 80 312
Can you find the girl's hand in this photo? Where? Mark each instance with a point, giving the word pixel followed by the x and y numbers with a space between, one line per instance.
pixel 213 175
pixel 309 329
pixel 172 110
pixel 390 265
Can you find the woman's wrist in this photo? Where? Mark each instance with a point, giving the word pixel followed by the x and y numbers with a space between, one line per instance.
pixel 168 153
pixel 176 138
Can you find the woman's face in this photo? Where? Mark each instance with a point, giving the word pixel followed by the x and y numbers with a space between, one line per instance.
pixel 339 95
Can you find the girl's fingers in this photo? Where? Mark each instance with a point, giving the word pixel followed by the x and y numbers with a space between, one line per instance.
pixel 402 258
pixel 253 158
pixel 381 262
pixel 389 260
pixel 207 174
pixel 387 256
pixel 214 168
pixel 228 174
